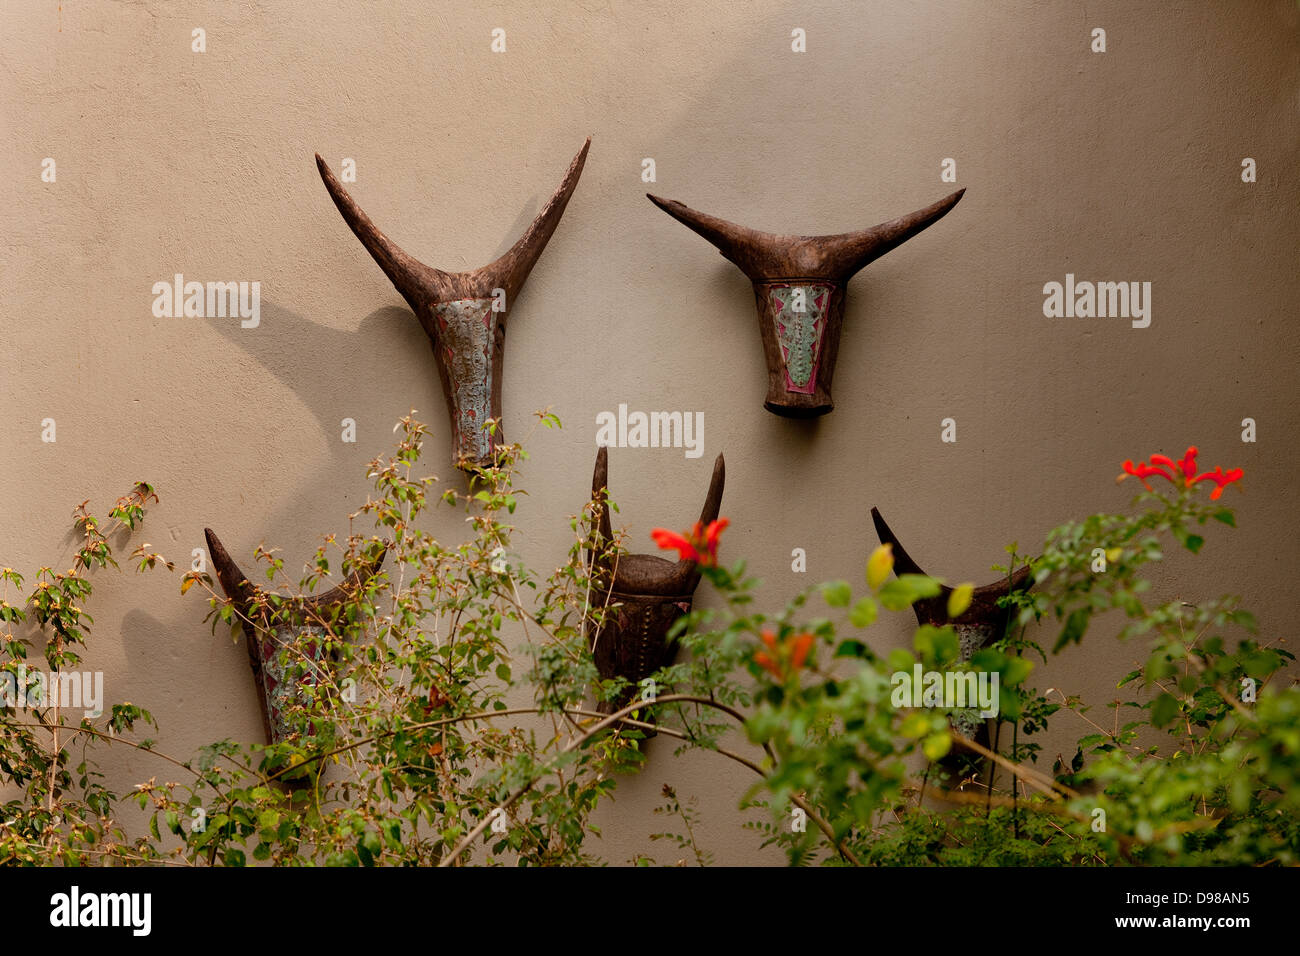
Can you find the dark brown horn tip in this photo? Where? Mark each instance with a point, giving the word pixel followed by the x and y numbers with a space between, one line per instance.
pixel 954 198
pixel 214 543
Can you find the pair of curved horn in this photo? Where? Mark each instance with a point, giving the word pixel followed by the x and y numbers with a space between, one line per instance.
pixel 983 621
pixel 648 594
pixel 463 313
pixel 799 289
pixel 244 593
pixel 263 648
pixel 635 574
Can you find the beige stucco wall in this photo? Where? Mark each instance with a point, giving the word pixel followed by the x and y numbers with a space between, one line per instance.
pixel 1116 166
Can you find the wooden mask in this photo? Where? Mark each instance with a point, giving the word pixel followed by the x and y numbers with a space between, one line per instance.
pixel 267 639
pixel 977 626
pixel 463 313
pixel 980 623
pixel 799 288
pixel 645 595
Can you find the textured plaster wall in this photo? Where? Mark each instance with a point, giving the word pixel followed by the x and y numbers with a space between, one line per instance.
pixel 1119 166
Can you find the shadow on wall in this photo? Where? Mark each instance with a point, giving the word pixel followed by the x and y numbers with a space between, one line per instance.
pixel 387 353
pixel 329 390
pixel 219 697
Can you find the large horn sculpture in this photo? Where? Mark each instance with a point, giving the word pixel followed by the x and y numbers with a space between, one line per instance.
pixel 463 313
pixel 271 633
pixel 645 594
pixel 799 288
pixel 981 623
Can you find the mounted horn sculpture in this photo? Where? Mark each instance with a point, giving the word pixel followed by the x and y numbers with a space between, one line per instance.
pixel 799 288
pixel 980 624
pixel 268 638
pixel 463 313
pixel 645 594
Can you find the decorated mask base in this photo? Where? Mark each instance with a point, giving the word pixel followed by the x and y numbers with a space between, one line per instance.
pixel 463 313
pixel 269 641
pixel 799 288
pixel 645 594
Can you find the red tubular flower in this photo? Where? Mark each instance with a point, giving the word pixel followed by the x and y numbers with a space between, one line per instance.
pixel 1219 477
pixel 700 544
pixel 1186 465
pixel 800 647
pixel 713 533
pixel 1144 471
pixel 765 660
pixel 670 540
pixel 793 650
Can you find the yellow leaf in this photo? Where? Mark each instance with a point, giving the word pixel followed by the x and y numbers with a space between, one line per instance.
pixel 1114 554
pixel 936 746
pixel 186 585
pixel 879 565
pixel 959 599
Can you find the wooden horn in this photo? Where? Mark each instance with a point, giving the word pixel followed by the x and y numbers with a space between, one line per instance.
pixel 419 283
pixel 983 610
pixel 799 288
pixel 600 493
pixel 244 593
pixel 766 257
pixel 460 311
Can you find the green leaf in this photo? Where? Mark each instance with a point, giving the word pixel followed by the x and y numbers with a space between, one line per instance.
pixel 864 612
pixel 1193 543
pixel 1075 625
pixel 1261 664
pixel 900 593
pixel 937 645
pixel 915 724
pixel 1163 710
pixel 1016 670
pixel 837 593
pixel 901 660
pixel 1159 666
pixel 936 746
pixel 1227 517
